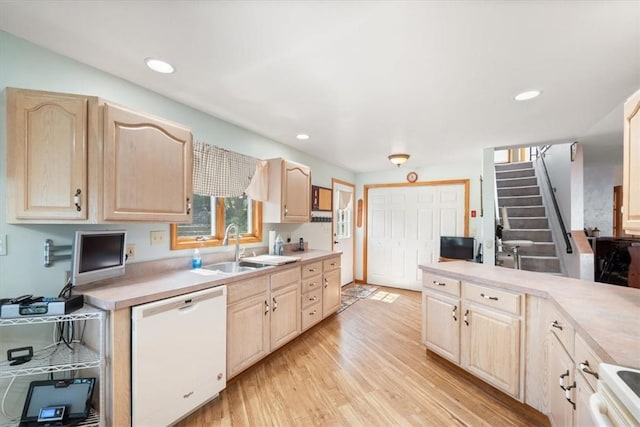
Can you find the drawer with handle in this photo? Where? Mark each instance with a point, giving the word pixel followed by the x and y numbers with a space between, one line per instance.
pixel 331 264
pixel 442 284
pixel 311 269
pixel 586 361
pixel 312 283
pixel 492 297
pixel 311 315
pixel 560 327
pixel 311 298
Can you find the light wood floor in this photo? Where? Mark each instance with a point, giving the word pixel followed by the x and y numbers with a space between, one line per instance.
pixel 362 367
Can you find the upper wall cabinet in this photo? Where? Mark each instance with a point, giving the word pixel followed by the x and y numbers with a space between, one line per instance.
pixel 289 192
pixel 47 149
pixel 147 168
pixel 631 175
pixel 77 159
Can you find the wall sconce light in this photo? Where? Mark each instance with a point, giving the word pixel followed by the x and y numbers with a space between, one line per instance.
pixel 398 159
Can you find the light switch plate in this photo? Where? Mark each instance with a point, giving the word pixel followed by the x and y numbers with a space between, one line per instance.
pixel 3 244
pixel 157 237
pixel 131 252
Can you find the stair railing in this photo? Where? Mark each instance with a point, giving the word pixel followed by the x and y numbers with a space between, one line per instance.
pixel 540 155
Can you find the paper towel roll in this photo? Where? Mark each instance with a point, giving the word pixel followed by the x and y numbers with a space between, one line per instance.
pixel 272 241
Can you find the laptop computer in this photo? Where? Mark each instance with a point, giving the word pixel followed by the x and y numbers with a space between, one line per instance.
pixel 57 402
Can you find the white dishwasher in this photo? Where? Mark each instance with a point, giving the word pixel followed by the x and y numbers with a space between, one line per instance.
pixel 178 355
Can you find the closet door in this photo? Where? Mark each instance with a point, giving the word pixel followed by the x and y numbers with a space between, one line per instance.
pixel 404 225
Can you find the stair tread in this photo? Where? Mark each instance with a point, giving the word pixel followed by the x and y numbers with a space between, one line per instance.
pixel 526 195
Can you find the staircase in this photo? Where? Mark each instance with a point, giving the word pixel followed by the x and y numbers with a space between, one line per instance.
pixel 519 192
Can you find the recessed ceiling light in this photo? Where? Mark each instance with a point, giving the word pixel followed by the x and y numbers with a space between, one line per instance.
pixel 525 96
pixel 302 136
pixel 159 65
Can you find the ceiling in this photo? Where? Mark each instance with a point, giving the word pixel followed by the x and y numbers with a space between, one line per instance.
pixel 367 78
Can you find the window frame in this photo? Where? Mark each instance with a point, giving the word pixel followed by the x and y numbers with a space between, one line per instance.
pixel 178 243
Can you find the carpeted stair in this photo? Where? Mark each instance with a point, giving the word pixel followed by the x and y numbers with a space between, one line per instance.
pixel 519 192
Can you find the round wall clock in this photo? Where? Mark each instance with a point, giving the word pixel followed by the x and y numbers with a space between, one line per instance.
pixel 412 177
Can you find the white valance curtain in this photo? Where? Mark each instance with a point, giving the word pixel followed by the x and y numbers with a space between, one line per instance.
pixel 222 173
pixel 344 199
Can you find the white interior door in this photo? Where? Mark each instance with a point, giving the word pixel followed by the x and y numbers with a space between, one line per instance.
pixel 404 225
pixel 343 227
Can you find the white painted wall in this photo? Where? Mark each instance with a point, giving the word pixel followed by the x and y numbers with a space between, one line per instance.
pixel 558 162
pixel 599 180
pixel 468 168
pixel 26 65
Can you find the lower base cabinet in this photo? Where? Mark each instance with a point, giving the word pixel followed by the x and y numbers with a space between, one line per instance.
pixel 491 347
pixel 560 378
pixel 262 314
pixel 248 324
pixel 476 327
pixel 331 289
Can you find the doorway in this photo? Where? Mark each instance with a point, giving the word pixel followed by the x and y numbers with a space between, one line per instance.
pixel 404 225
pixel 343 227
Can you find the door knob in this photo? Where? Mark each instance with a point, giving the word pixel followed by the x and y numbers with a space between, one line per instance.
pixel 335 242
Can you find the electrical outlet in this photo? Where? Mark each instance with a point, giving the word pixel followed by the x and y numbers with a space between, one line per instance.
pixel 157 237
pixel 3 244
pixel 131 252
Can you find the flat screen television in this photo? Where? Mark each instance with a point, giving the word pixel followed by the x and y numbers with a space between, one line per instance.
pixel 456 247
pixel 97 255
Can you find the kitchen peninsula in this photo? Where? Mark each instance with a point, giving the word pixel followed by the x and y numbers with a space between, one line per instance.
pixel 521 331
pixel 267 306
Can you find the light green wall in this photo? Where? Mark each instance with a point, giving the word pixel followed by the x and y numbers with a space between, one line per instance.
pixel 26 65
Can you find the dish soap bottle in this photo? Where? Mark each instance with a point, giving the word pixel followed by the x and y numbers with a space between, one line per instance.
pixel 196 261
pixel 279 246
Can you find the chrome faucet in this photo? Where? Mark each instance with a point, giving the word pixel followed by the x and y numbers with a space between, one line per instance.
pixel 225 241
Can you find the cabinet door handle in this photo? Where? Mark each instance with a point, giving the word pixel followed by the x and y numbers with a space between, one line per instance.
pixel 275 304
pixel 313 298
pixel 333 264
pixel 286 211
pixel 555 324
pixel 188 206
pixel 312 270
pixel 313 313
pixel 488 297
pixel 466 317
pixel 453 313
pixel 326 283
pixel 561 379
pixel 266 307
pixel 76 199
pixel 311 285
pixel 435 282
pixel 584 367
pixel 567 395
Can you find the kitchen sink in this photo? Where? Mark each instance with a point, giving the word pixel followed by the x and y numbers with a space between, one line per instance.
pixel 231 267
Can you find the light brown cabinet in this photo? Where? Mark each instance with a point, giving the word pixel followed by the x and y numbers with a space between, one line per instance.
pixel 147 168
pixel 79 159
pixel 631 168
pixel 491 347
pixel 476 327
pixel 312 291
pixel 441 325
pixel 331 289
pixel 262 314
pixel 48 138
pixel 248 324
pixel 285 307
pixel 289 193
pixel 561 382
